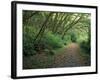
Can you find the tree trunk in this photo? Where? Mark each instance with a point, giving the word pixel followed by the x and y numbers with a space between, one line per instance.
pixel 42 29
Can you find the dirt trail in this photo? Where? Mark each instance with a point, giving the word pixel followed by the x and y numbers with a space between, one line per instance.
pixel 71 57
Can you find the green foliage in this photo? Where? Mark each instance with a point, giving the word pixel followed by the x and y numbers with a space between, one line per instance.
pixel 49 52
pixel 67 40
pixel 28 37
pixel 85 46
pixel 73 37
pixel 53 40
pixel 46 33
pixel 61 29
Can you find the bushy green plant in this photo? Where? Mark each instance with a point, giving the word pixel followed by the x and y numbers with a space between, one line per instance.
pixel 67 39
pixel 49 52
pixel 53 40
pixel 85 45
pixel 28 37
pixel 73 37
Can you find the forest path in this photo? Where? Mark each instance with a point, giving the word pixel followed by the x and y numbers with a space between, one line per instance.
pixel 71 57
pixel 68 56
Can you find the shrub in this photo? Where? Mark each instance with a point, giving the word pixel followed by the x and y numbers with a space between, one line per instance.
pixel 28 37
pixel 49 52
pixel 85 46
pixel 73 37
pixel 53 41
pixel 67 39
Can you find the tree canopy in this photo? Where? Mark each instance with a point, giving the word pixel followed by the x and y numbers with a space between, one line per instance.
pixel 42 28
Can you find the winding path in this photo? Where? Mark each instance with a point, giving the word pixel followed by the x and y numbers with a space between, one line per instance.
pixel 71 57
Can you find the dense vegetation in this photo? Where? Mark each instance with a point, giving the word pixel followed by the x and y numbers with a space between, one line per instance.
pixel 47 32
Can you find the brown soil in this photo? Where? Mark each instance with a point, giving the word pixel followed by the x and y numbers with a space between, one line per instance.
pixel 70 56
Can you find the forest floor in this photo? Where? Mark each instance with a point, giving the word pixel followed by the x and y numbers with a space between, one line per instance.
pixel 69 56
